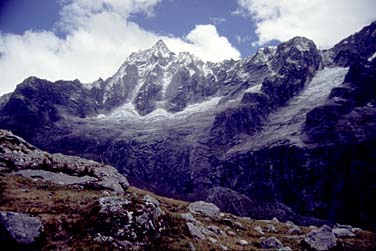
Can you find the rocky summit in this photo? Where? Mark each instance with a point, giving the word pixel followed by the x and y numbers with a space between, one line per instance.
pixel 288 132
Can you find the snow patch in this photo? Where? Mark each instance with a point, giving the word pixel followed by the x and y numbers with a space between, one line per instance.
pixel 289 120
pixel 302 45
pixel 255 88
pixel 128 112
pixel 372 57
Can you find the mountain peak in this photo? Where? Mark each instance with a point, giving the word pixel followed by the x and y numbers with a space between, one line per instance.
pixel 161 46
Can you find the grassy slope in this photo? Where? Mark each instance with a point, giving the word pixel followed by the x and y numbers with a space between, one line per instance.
pixel 69 215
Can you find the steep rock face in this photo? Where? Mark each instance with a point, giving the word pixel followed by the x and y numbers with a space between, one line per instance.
pixel 349 115
pixel 36 103
pixel 294 64
pixel 361 45
pixel 157 78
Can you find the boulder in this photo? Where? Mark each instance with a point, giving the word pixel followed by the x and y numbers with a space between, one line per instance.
pixel 21 228
pixel 58 178
pixel 270 228
pixel 239 225
pixel 242 242
pixel 212 240
pixel 285 249
pixel 188 217
pixel 342 233
pixel 204 208
pixel 154 204
pixel 321 239
pixel 259 230
pixel 295 230
pixel 110 178
pixel 195 231
pixel 271 243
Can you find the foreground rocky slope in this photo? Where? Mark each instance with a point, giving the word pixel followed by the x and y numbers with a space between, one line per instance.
pixel 286 132
pixel 58 202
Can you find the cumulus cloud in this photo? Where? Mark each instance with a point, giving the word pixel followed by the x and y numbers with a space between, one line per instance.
pixel 98 39
pixel 205 42
pixel 326 22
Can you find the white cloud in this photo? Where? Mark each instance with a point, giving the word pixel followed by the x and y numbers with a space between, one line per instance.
pixel 324 21
pixel 204 42
pixel 217 20
pixel 99 38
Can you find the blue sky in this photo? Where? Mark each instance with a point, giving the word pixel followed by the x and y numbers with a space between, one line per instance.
pixel 17 16
pixel 172 17
pixel 88 39
pixel 178 17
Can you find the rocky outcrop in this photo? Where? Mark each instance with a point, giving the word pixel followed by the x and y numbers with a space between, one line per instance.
pixel 37 103
pixel 19 156
pixel 23 229
pixel 204 208
pixel 321 239
pixel 342 232
pixel 361 45
pixel 349 115
pixel 294 64
pixel 271 243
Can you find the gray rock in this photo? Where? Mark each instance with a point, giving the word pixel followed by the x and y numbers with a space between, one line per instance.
pixel 212 240
pixel 151 200
pixel 214 229
pixel 270 228
pixel 321 239
pixel 143 219
pixel 231 233
pixel 22 228
pixel 192 247
pixel 290 223
pixel 154 203
pixel 242 242
pixel 188 217
pixel 110 178
pixel 204 208
pixel 348 227
pixel 195 231
pixel 357 229
pixel 285 249
pixel 271 243
pixel 275 219
pixel 224 248
pixel 295 230
pixel 58 178
pixel 112 204
pixel 259 230
pixel 342 233
pixel 239 225
pixel 208 232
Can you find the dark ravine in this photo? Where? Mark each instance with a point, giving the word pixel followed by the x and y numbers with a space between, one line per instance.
pixel 324 167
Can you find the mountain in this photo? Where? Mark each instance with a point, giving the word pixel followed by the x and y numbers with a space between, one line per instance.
pixel 59 202
pixel 288 132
